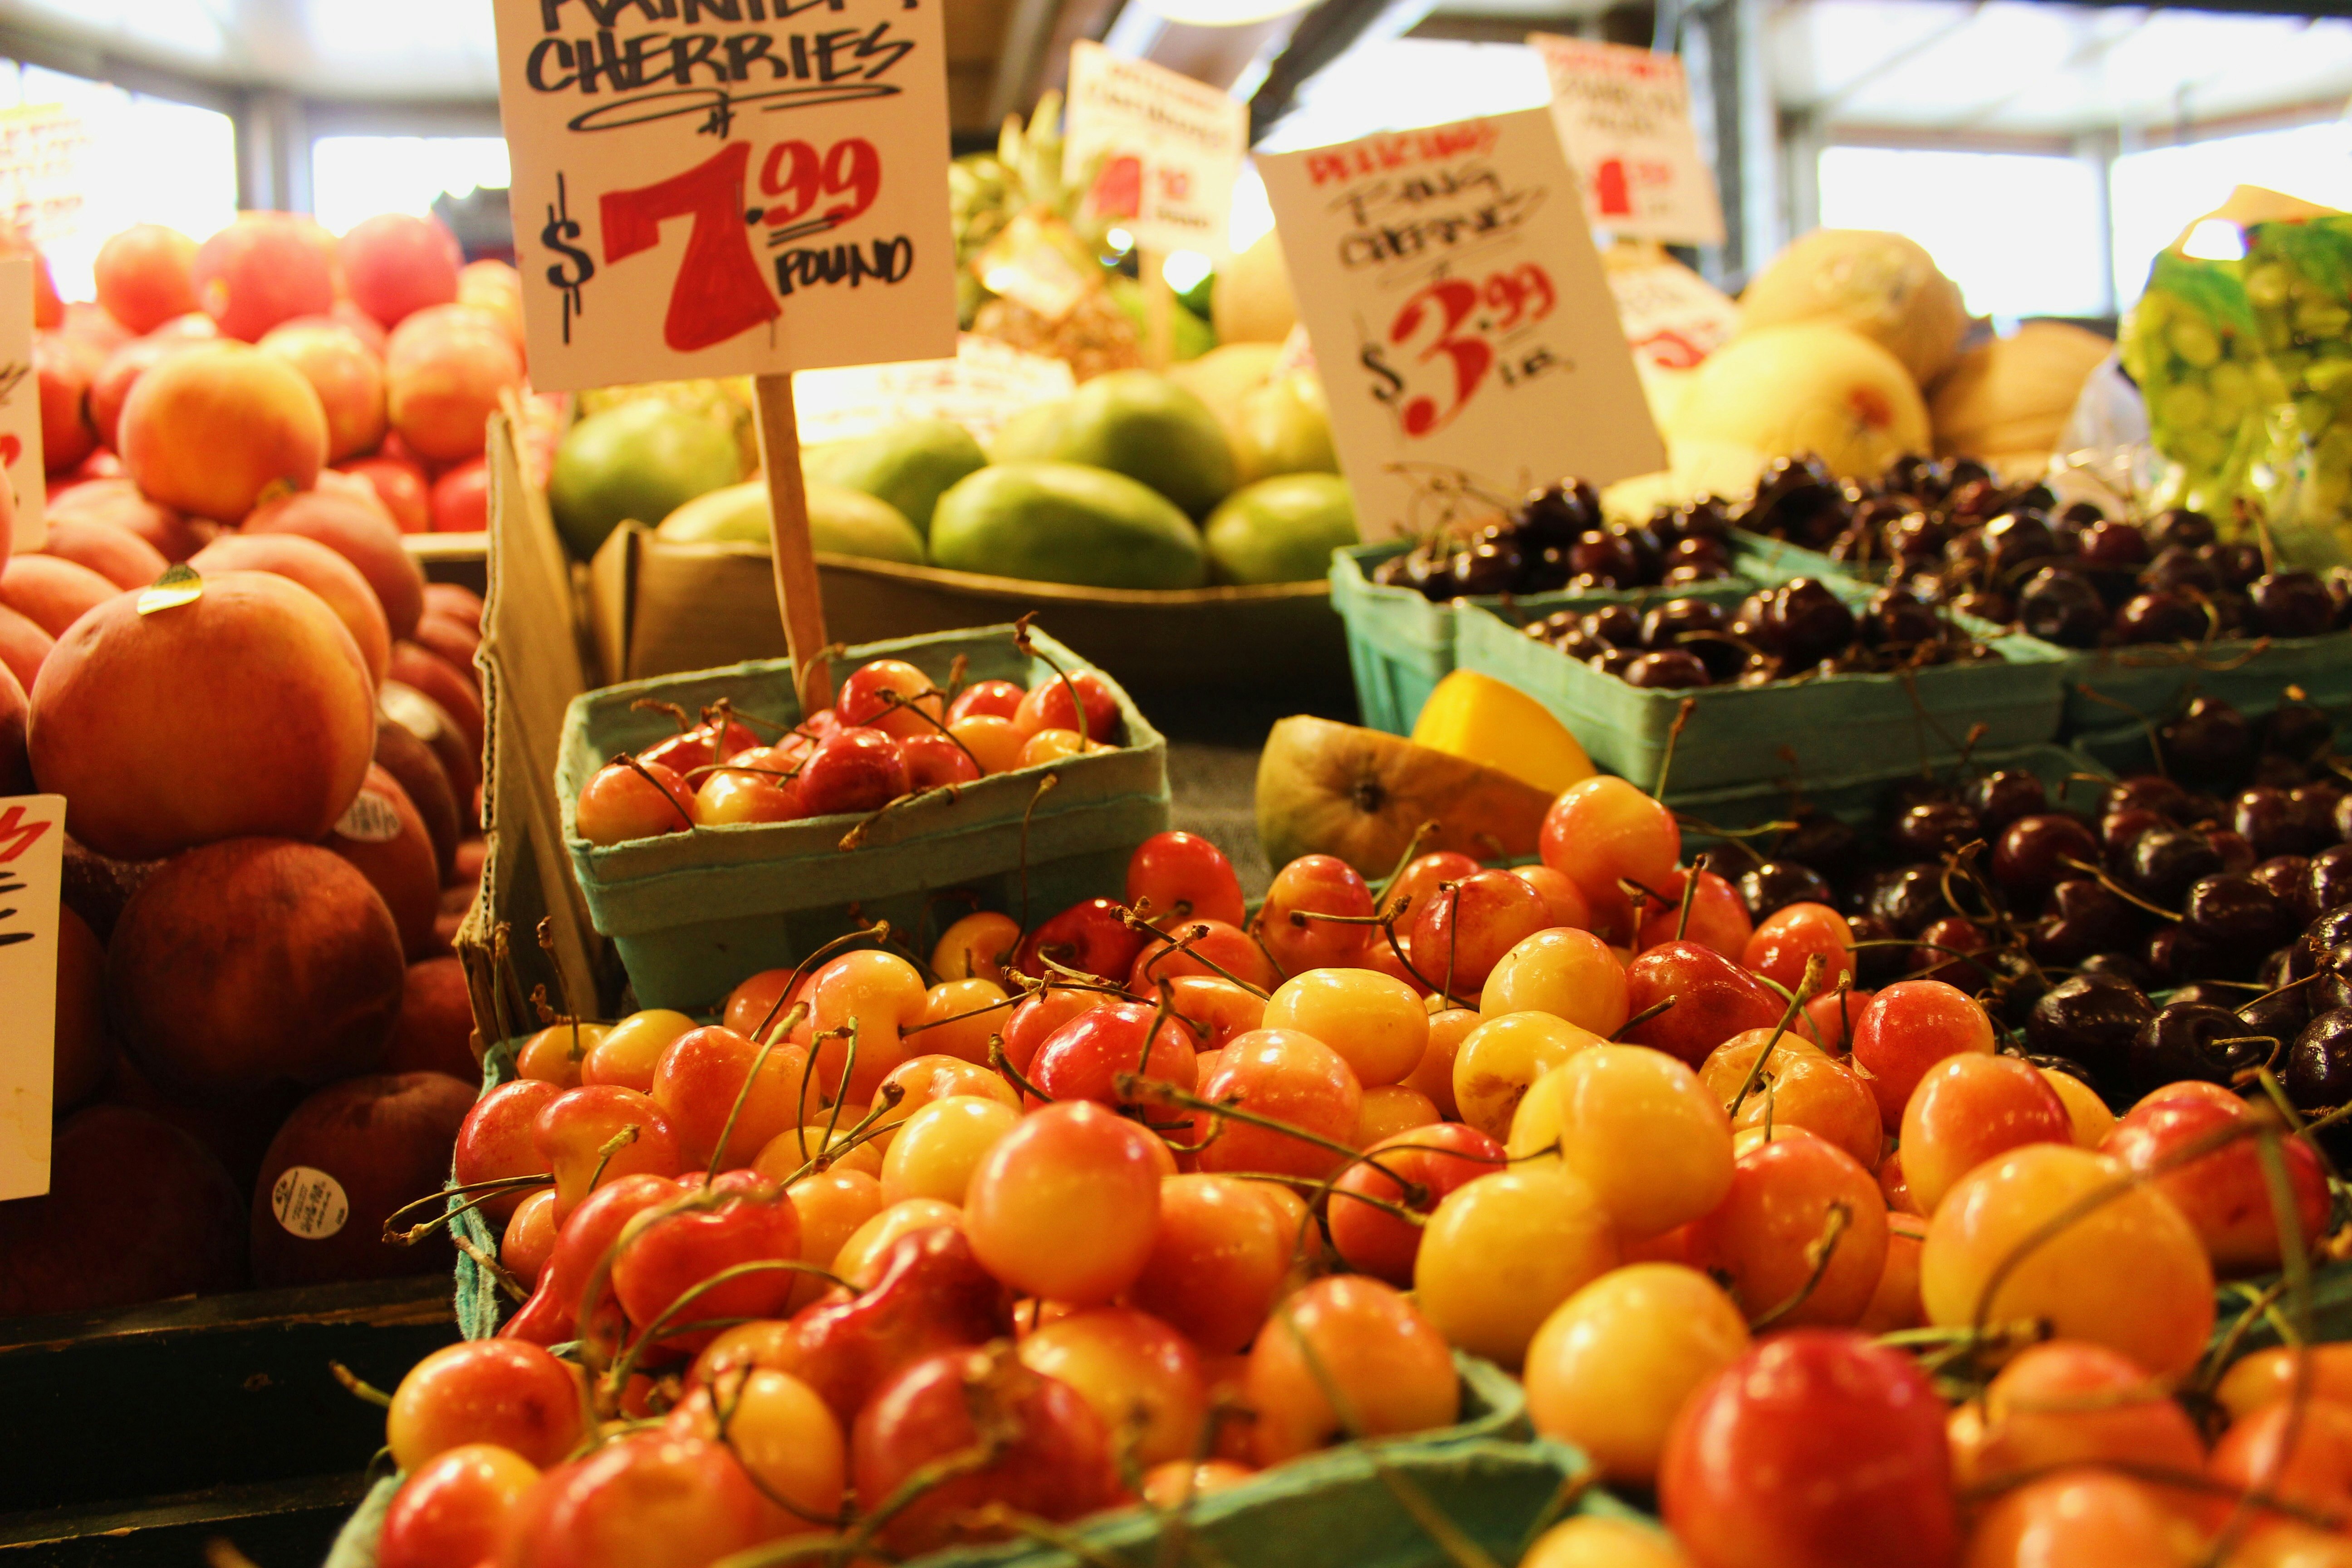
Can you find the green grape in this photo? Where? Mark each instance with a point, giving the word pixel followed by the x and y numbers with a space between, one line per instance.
pixel 2194 342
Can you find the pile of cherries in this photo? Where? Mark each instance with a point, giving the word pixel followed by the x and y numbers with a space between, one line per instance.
pixel 891 732
pixel 2226 883
pixel 1556 540
pixel 1800 629
pixel 1950 533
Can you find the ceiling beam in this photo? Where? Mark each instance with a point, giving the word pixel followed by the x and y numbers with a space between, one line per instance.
pixel 1323 34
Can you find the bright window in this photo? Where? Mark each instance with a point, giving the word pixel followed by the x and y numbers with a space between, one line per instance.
pixel 2018 233
pixel 83 160
pixel 355 177
pixel 1399 83
pixel 2161 192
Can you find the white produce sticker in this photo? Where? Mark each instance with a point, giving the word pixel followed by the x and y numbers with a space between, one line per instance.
pixel 309 1203
pixel 370 819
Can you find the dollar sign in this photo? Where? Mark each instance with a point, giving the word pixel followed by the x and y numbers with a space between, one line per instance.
pixel 1373 359
pixel 559 230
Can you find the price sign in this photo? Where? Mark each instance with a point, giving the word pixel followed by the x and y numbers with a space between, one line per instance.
pixel 1467 340
pixel 1625 116
pixel 31 860
pixel 727 187
pixel 20 405
pixel 1672 317
pixel 986 385
pixel 1158 151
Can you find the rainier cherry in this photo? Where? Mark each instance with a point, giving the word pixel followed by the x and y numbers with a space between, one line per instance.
pixel 450 1510
pixel 1047 706
pixel 1601 830
pixel 1907 1028
pixel 620 803
pixel 976 947
pixel 990 699
pixel 681 1252
pixel 495 1141
pixel 1718 919
pixel 1378 1028
pixel 1614 1363
pixel 1315 885
pixel 1292 1078
pixel 487 1390
pixel 1435 1160
pixel 1789 935
pixel 2224 1195
pixel 1182 874
pixel 933 760
pixel 1505 1248
pixel 1219 1256
pixel 599 1133
pixel 1141 1376
pixel 1064 1206
pixel 1966 1110
pixel 1464 929
pixel 1423 876
pixel 892 696
pixel 1638 1127
pixel 1713 999
pixel 1087 937
pixel 1571 974
pixel 1766 1236
pixel 853 770
pixel 1384 1359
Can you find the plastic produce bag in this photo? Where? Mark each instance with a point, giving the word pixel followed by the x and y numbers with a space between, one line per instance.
pixel 2298 282
pixel 2193 345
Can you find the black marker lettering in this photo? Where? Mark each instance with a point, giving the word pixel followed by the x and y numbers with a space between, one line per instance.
pixel 560 50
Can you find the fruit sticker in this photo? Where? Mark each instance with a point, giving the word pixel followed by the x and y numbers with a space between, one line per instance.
pixel 746 190
pixel 308 1202
pixel 370 819
pixel 31 860
pixel 1624 117
pixel 1469 343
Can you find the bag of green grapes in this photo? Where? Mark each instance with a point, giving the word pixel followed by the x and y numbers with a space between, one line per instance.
pixel 2298 282
pixel 2194 346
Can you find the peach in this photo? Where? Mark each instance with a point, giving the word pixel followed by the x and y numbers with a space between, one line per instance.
pixel 245 709
pixel 235 1133
pixel 361 535
pixel 496 287
pixel 109 549
pixel 144 276
pixel 436 1022
pixel 52 592
pixel 444 368
pixel 110 388
pixel 395 264
pixel 383 834
pixel 461 497
pixel 348 1157
pixel 173 535
pixel 445 683
pixel 317 568
pixel 221 429
pixel 136 1211
pixel 24 647
pixel 66 366
pixel 454 600
pixel 348 378
pixel 48 310
pixel 453 639
pixel 83 1051
pixel 419 771
pixel 400 483
pixel 194 324
pixel 15 769
pixel 86 322
pixel 258 271
pixel 431 723
pixel 252 961
pixel 364 327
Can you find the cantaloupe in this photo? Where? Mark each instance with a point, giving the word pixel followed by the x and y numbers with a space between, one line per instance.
pixel 1335 789
pixel 1252 302
pixel 1884 285
pixel 1804 386
pixel 2014 395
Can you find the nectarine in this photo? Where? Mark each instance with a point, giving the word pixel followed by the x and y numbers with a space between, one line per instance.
pixel 220 428
pixel 395 264
pixel 348 378
pixel 143 276
pixel 362 536
pixel 316 567
pixel 261 269
pixel 348 1157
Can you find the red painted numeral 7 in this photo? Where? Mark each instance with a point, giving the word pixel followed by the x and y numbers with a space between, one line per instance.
pixel 720 292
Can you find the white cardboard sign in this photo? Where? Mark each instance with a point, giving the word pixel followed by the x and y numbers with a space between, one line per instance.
pixel 727 187
pixel 1467 341
pixel 1672 317
pixel 1625 115
pixel 1160 151
pixel 20 403
pixel 986 385
pixel 31 860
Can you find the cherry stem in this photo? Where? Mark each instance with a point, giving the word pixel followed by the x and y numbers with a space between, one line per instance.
pixel 911 705
pixel 1690 894
pixel 489 1266
pixel 629 761
pixel 1003 1064
pixel 617 1377
pixel 612 1147
pixel 725 1400
pixel 1021 641
pixel 1137 1087
pixel 1642 1017
pixel 995 1006
pixel 1420 836
pixel 1184 946
pixel 736 1110
pixel 1666 762
pixel 2099 875
pixel 546 934
pixel 483 1192
pixel 879 931
pixel 856 837
pixel 1045 783
pixel 1822 1247
pixel 357 1386
pixel 656 705
pixel 1797 1000
pixel 865 1129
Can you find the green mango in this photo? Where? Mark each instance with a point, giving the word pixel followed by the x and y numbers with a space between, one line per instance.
pixel 908 464
pixel 1028 433
pixel 1153 431
pixel 642 460
pixel 1065 522
pixel 1189 334
pixel 842 521
pixel 1281 530
pixel 1283 428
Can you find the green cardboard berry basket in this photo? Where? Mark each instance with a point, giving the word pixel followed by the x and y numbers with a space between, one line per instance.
pixel 1840 726
pixel 692 913
pixel 1400 644
pixel 2072 779
pixel 2105 687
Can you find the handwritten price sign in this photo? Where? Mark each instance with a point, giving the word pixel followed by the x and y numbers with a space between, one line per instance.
pixel 20 403
pixel 1469 344
pixel 1159 152
pixel 32 861
pixel 724 187
pixel 1625 115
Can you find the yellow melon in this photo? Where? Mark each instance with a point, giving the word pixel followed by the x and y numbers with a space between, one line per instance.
pixel 2014 395
pixel 1805 386
pixel 1252 302
pixel 1884 285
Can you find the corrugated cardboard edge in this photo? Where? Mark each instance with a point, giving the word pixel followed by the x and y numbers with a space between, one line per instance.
pixel 531 667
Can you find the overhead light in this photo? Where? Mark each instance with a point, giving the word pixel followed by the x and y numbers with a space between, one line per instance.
pixel 1225 13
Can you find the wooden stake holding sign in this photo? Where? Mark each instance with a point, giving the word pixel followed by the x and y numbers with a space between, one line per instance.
pixel 649 156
